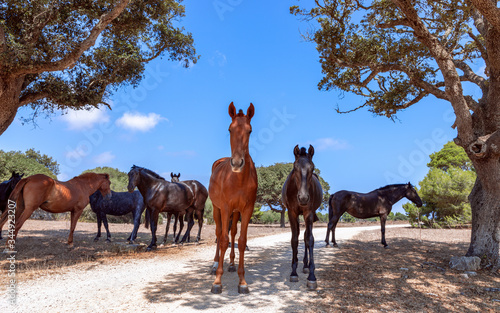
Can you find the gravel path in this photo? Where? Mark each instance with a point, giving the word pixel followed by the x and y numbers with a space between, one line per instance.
pixel 182 283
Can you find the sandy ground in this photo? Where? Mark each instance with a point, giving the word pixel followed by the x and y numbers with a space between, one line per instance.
pixel 179 282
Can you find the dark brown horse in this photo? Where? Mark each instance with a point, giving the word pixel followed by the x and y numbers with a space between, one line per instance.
pixel 302 194
pixel 6 188
pixel 200 195
pixel 160 196
pixel 41 191
pixel 233 190
pixel 378 202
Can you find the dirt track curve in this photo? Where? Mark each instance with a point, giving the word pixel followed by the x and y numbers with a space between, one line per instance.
pixel 182 283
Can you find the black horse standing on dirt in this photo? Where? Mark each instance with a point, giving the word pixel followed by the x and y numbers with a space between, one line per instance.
pixel 119 204
pixel 161 196
pixel 200 195
pixel 378 202
pixel 6 188
pixel 302 194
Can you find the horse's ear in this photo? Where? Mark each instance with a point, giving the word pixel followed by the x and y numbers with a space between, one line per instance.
pixel 179 175
pixel 232 110
pixel 172 175
pixel 296 151
pixel 310 151
pixel 250 111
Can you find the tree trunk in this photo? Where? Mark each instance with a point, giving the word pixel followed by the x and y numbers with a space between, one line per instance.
pixel 282 222
pixel 485 206
pixel 9 100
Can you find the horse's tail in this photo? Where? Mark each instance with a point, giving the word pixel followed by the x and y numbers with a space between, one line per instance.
pixel 146 218
pixel 330 212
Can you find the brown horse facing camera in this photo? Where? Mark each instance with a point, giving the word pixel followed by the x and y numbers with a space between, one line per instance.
pixel 41 191
pixel 233 190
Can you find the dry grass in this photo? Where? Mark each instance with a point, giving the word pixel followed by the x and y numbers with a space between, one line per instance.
pixel 410 276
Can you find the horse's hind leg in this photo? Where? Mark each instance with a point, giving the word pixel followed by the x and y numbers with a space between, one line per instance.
pixel 190 216
pixel 199 215
pixel 234 230
pixel 181 226
pixel 137 221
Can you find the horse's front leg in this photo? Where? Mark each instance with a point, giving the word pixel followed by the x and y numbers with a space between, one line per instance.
pixel 169 217
pixel 200 224
pixel 99 223
pixel 294 225
pixel 106 226
pixel 190 216
pixel 309 243
pixel 223 243
pixel 383 219
pixel 181 226
pixel 242 244
pixel 153 221
pixel 234 230
pixel 305 268
pixel 75 215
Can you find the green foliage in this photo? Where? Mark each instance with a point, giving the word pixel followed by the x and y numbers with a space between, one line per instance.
pixel 397 217
pixel 347 218
pixel 444 190
pixel 208 214
pixel 119 179
pixel 450 155
pixel 29 163
pixel 38 34
pixel 322 217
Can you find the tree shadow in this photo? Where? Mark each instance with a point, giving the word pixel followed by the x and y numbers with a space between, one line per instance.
pixel 410 276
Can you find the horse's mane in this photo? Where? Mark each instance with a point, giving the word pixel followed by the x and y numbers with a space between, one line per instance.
pixel 89 175
pixel 240 113
pixel 148 171
pixel 391 186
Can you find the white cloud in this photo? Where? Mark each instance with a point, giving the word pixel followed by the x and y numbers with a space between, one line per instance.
pixel 329 144
pixel 104 158
pixel 139 122
pixel 85 119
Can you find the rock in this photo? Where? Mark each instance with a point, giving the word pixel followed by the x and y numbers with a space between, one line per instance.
pixel 120 247
pixel 404 269
pixel 465 263
pixel 464 275
pixel 471 273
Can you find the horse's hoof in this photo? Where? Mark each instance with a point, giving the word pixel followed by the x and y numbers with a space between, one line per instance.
pixel 312 285
pixel 108 240
pixel 150 248
pixel 335 245
pixel 386 247
pixel 96 239
pixel 327 245
pixel 305 270
pixel 213 271
pixel 231 268
pixel 243 289
pixel 216 289
pixel 294 279
pixel 247 248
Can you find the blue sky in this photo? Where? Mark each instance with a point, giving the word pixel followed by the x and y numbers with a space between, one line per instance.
pixel 251 51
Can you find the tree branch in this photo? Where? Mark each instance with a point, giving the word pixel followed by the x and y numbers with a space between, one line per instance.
pixel 71 58
pixel 470 75
pixel 391 24
pixel 489 10
pixel 32 97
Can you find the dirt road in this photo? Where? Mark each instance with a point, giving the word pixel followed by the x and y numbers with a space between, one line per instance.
pixel 181 283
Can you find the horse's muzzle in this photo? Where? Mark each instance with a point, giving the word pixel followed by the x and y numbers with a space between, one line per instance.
pixel 237 166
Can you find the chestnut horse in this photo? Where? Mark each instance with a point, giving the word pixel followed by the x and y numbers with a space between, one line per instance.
pixel 302 194
pixel 6 188
pixel 41 191
pixel 378 202
pixel 233 190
